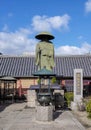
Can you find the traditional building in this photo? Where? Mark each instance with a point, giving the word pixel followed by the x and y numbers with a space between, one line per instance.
pixel 22 67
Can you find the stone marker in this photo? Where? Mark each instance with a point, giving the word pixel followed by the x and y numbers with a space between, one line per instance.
pixel 31 98
pixel 78 88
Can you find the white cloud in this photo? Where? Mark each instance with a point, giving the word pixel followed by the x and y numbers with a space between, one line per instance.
pixel 73 50
pixel 88 6
pixel 59 21
pixel 44 23
pixel 17 42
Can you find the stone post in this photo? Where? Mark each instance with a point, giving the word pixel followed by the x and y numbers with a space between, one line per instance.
pixel 31 98
pixel 78 88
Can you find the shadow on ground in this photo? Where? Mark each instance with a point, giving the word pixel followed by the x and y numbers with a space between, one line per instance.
pixel 3 106
pixel 57 114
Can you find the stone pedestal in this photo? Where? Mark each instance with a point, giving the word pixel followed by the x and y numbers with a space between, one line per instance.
pixel 31 98
pixel 74 106
pixel 44 113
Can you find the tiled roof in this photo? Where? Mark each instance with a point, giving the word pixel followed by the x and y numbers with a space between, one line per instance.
pixel 65 65
pixel 20 66
pixel 17 66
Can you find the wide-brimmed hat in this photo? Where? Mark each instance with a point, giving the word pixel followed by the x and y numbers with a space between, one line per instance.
pixel 44 34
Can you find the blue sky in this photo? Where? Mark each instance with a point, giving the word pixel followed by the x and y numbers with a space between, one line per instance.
pixel 69 21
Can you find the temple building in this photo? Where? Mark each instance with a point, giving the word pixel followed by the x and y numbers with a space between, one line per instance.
pixel 21 69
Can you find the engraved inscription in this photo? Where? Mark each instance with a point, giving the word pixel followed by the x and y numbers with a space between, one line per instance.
pixel 78 83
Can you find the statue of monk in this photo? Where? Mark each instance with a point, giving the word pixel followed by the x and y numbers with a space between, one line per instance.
pixel 45 51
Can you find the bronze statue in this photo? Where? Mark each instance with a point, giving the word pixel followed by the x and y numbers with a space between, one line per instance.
pixel 45 51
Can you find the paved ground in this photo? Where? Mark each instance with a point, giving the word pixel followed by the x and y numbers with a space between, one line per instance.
pixel 18 117
pixel 82 117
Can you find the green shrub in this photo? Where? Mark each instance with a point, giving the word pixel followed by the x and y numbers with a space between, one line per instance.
pixel 53 80
pixel 39 81
pixel 88 108
pixel 68 97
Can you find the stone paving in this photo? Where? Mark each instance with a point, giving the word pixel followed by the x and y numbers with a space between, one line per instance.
pixel 18 117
